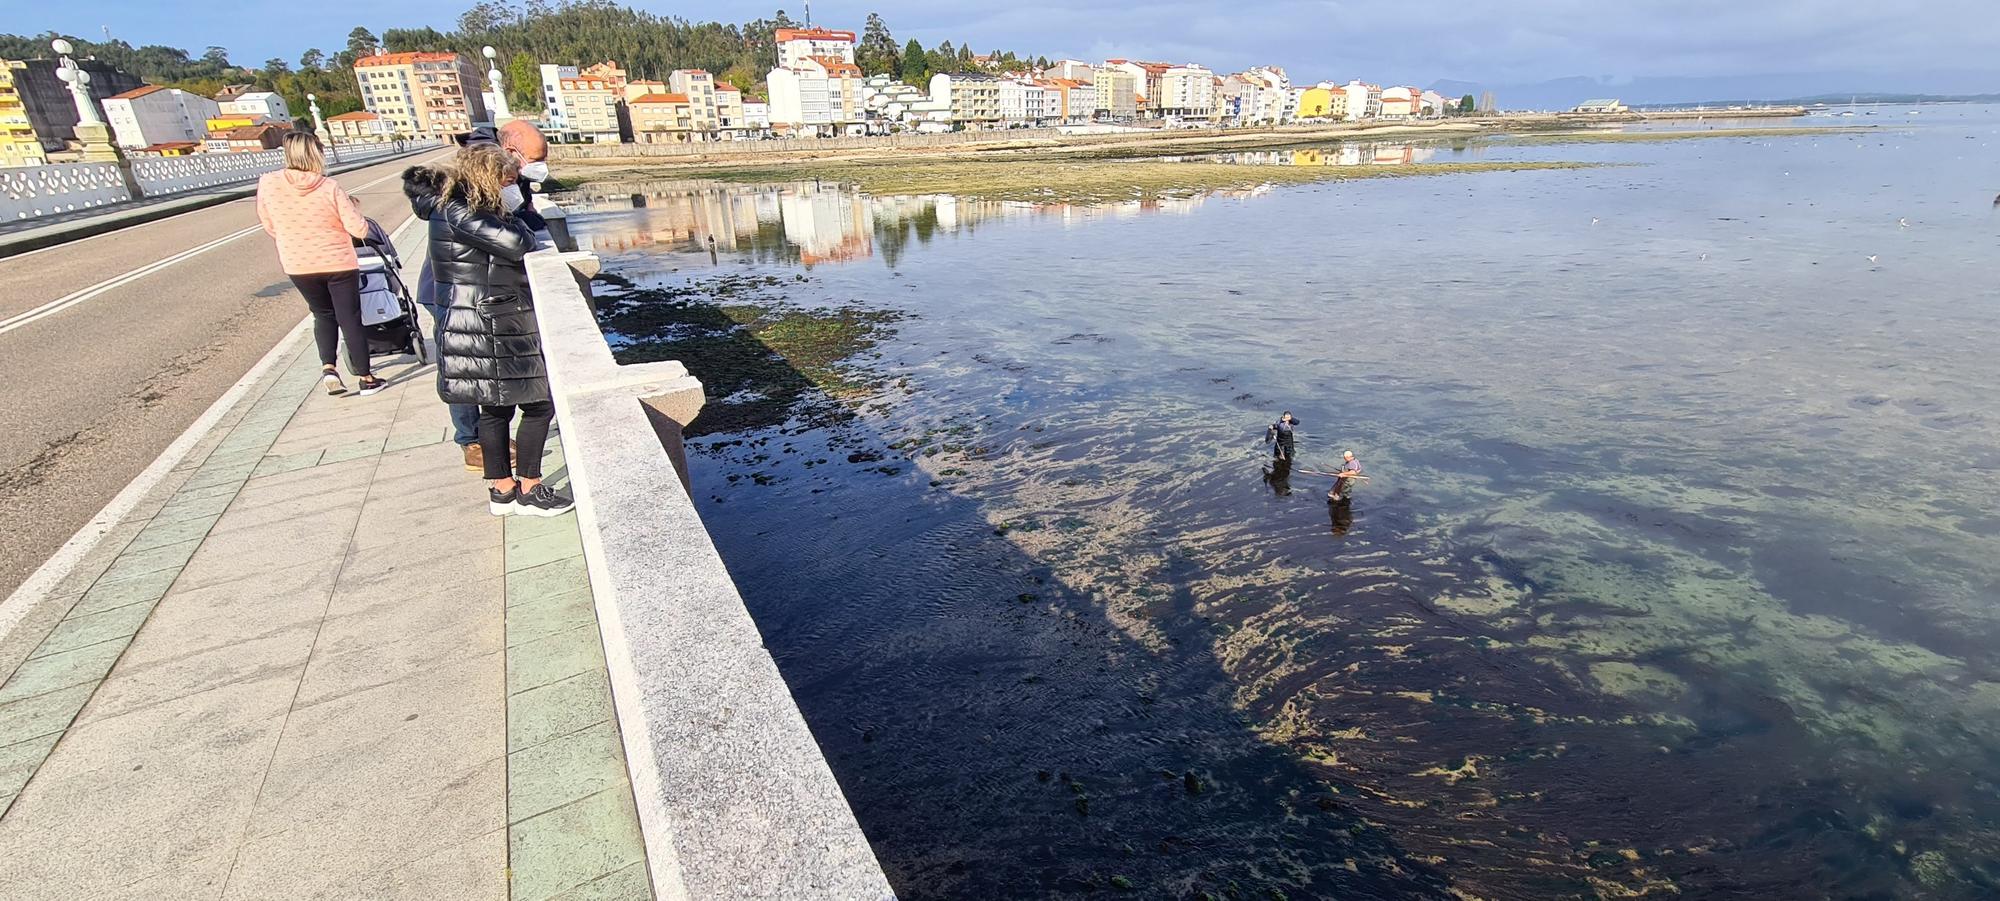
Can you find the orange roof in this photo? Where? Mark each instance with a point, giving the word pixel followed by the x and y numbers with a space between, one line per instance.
pixel 644 84
pixel 835 65
pixel 356 116
pixel 249 132
pixel 661 98
pixel 137 92
pixel 695 71
pixel 726 86
pixel 170 145
pixel 404 59
pixel 813 34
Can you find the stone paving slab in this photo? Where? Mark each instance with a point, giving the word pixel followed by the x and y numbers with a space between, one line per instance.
pixel 314 666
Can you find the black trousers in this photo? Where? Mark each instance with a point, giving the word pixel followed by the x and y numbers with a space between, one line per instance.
pixel 335 301
pixel 528 443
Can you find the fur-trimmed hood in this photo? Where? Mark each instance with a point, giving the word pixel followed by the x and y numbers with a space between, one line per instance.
pixel 424 186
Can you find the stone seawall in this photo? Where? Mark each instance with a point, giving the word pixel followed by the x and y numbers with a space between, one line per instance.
pixel 734 796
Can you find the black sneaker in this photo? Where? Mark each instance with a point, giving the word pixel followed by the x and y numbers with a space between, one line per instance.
pixel 542 501
pixel 502 504
pixel 371 385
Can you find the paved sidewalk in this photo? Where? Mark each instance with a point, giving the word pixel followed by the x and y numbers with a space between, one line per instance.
pixel 313 666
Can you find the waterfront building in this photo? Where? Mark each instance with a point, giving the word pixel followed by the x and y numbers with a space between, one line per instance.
pixel 729 122
pixel 149 115
pixel 1432 104
pixel 18 144
pixel 796 45
pixel 1607 105
pixel 552 108
pixel 974 99
pixel 663 119
pixel 757 116
pixel 1021 102
pixel 699 88
pixel 247 100
pixel 421 94
pixel 51 108
pixel 1322 103
pixel 1187 92
pixel 358 127
pixel 1364 100
pixel 890 105
pixel 819 97
pixel 1117 93
pixel 590 104
pixel 1400 103
pixel 1069 102
pixel 1072 70
pixel 247 138
pixel 1258 96
pixel 1148 81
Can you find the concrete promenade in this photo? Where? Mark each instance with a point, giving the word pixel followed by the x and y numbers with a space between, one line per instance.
pixel 309 664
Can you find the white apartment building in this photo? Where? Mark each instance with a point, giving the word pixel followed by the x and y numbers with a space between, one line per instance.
pixel 1187 92
pixel 796 45
pixel 149 115
pixel 974 99
pixel 1364 101
pixel 891 105
pixel 552 105
pixel 729 122
pixel 699 86
pixel 244 100
pixel 1026 102
pixel 756 115
pixel 1259 96
pixel 1401 103
pixel 1148 83
pixel 820 97
pixel 590 108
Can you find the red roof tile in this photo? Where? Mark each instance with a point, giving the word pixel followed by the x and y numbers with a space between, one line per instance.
pixel 137 92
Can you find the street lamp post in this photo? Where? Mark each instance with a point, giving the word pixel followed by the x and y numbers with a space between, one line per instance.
pixel 319 126
pixel 499 110
pixel 91 132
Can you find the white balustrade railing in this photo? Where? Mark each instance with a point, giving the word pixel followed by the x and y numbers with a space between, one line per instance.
pixel 27 192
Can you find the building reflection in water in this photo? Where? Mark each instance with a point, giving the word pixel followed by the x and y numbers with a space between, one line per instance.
pixel 805 223
pixel 1363 153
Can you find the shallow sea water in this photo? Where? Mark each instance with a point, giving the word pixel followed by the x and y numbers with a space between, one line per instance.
pixel 1679 567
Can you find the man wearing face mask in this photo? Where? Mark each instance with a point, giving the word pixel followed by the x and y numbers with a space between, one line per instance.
pixel 529 150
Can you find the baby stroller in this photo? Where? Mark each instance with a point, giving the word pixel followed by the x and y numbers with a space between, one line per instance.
pixel 388 314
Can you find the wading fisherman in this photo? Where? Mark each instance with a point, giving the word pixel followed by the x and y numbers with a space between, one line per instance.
pixel 1280 435
pixel 1343 481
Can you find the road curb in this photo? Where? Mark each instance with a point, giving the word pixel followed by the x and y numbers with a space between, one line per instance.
pixel 63 233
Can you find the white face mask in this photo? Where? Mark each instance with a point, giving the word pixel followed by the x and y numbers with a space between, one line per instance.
pixel 537 171
pixel 510 197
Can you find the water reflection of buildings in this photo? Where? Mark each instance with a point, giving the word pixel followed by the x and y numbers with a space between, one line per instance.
pixel 808 223
pixel 1350 154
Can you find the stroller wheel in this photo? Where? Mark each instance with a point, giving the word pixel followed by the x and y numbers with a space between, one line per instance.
pixel 417 347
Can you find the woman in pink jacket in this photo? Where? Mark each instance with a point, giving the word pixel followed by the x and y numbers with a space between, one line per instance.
pixel 315 224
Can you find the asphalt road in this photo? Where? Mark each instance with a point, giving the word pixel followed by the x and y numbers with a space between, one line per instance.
pixel 91 393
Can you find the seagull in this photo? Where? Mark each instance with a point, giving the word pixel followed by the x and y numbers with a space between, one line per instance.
pixel 1903 222
pixel 1871 258
pixel 1704 256
pixel 1593 220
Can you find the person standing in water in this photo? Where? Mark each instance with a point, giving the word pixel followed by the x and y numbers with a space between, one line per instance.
pixel 1344 481
pixel 1280 437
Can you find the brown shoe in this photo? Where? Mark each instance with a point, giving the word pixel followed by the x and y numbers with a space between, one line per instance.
pixel 474 460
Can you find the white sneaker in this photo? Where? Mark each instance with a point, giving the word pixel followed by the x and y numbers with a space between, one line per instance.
pixel 331 382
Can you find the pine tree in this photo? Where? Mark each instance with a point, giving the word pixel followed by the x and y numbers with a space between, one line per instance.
pixel 915 65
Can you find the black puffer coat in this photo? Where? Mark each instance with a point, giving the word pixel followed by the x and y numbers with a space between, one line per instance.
pixel 489 352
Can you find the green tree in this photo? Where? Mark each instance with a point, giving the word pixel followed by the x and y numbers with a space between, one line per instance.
pixel 1466 105
pixel 312 60
pixel 524 83
pixel 276 65
pixel 943 59
pixel 360 42
pixel 915 66
pixel 216 56
pixel 877 53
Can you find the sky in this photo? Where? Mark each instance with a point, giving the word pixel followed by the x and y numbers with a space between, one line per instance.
pixel 1849 45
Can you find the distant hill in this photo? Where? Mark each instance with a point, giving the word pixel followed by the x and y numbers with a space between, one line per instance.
pixel 1563 93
